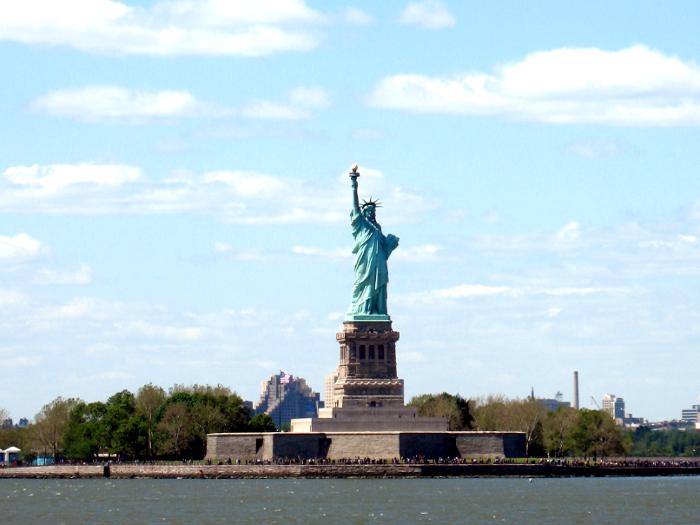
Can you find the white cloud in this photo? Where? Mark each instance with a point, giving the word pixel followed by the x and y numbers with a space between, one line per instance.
pixel 595 150
pixel 222 247
pixel 427 14
pixel 469 291
pixel 635 86
pixel 21 361
pixel 300 104
pixel 553 312
pixel 101 349
pixel 82 275
pixel 176 27
pixel 119 104
pixel 11 298
pixel 235 196
pixel 570 232
pixel 572 291
pixel 78 308
pixel 112 103
pixel 19 249
pixel 227 250
pixel 337 253
pixel 110 375
pixel 160 331
pixel 357 17
pixel 423 252
pixel 461 291
pixel 56 177
pixel 248 184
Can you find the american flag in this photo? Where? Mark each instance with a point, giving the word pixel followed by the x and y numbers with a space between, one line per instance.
pixel 285 378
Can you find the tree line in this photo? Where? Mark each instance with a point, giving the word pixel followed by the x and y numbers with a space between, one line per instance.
pixel 150 424
pixel 155 424
pixel 565 432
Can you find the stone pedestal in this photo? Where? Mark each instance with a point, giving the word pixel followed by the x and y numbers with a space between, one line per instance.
pixel 367 369
pixel 368 396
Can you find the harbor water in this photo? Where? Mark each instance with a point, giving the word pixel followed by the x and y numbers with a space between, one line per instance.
pixel 617 501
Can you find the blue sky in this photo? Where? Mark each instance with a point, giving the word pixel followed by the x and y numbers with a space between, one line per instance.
pixel 174 196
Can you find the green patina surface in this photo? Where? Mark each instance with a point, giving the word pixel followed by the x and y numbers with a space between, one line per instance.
pixel 372 250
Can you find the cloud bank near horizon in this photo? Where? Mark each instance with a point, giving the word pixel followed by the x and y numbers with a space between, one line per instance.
pixel 635 86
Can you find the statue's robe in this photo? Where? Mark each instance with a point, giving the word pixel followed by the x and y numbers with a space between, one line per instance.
pixel 371 249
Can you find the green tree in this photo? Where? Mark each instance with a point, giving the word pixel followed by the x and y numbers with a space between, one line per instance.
pixel 86 434
pixel 646 442
pixel 524 415
pixel 149 399
pixel 15 437
pixel 175 424
pixel 597 435
pixel 454 408
pixel 209 410
pixel 126 430
pixel 51 424
pixel 558 431
pixel 262 423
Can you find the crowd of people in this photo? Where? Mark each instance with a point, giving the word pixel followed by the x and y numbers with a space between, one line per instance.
pixel 486 460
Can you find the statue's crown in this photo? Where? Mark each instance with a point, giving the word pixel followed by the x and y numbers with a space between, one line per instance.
pixel 371 202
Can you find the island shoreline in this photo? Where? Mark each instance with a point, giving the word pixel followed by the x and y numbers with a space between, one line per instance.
pixel 404 470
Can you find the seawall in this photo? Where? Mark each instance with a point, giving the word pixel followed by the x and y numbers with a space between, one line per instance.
pixel 123 471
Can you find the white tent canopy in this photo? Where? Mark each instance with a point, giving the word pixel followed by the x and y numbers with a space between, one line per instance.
pixel 5 454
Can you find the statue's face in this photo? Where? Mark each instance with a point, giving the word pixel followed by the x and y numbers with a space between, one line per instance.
pixel 369 212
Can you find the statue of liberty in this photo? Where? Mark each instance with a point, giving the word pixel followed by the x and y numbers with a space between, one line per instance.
pixel 372 249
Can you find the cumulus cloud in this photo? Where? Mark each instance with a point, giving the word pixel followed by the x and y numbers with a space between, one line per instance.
pixel 11 298
pixel 82 275
pixel 228 251
pixel 222 247
pixel 337 253
pixel 170 27
pixel 161 331
pixel 427 14
pixel 357 17
pixel 470 291
pixel 595 150
pixel 300 104
pixel 635 86
pixel 119 104
pixel 422 252
pixel 18 249
pixel 237 196
pixel 54 178
pixel 111 103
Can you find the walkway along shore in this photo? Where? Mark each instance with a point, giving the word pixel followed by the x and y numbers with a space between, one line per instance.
pixel 126 471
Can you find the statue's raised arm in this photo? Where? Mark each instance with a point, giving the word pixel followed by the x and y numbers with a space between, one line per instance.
pixel 371 249
pixel 354 174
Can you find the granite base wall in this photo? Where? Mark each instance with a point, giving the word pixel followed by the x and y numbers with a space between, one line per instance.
pixel 373 445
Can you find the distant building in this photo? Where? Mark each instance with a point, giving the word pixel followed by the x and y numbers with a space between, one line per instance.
pixel 552 405
pixel 285 397
pixel 23 422
pixel 615 406
pixel 690 415
pixel 328 385
pixel 629 421
pixel 6 423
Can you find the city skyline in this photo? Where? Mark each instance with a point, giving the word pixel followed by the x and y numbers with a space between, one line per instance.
pixel 175 200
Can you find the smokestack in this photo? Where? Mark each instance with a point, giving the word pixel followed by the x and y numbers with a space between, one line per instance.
pixel 576 406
